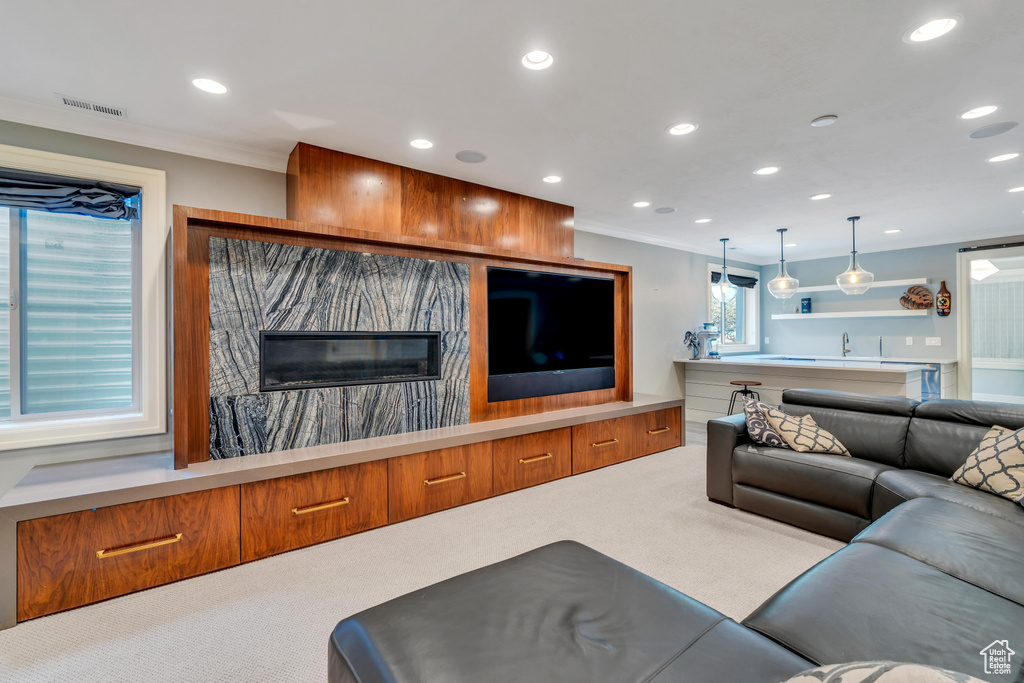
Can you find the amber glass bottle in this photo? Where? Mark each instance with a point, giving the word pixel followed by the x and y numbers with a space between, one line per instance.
pixel 944 302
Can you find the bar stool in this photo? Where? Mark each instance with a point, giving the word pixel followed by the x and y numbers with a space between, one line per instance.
pixel 745 392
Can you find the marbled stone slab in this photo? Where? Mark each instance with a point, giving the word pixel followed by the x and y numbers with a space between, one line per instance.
pixel 258 286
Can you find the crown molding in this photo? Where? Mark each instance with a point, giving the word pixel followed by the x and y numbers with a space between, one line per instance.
pixel 95 125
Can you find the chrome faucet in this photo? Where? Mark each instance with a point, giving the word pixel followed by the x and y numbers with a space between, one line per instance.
pixel 846 340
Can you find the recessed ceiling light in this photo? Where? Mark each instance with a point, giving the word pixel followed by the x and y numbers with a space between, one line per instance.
pixel 420 143
pixel 209 85
pixel 978 112
pixel 1005 157
pixel 1016 189
pixel 641 205
pixel 703 220
pixel 931 30
pixel 820 196
pixel 665 209
pixel 767 170
pixel 826 120
pixel 682 128
pixel 537 60
pixel 552 179
pixel 893 231
pixel 791 244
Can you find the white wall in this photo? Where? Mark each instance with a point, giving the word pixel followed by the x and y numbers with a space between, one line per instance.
pixel 669 298
pixel 190 181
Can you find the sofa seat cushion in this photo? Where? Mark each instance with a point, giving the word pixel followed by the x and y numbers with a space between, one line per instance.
pixel 562 612
pixel 895 487
pixel 838 482
pixel 973 546
pixel 869 603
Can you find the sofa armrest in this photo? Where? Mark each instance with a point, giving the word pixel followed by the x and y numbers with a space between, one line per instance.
pixel 724 435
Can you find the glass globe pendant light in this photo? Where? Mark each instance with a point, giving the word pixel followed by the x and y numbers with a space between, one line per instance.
pixel 854 280
pixel 724 289
pixel 783 285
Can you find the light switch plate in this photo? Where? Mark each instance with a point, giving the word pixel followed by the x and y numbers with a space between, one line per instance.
pixel 766 340
pixel 933 341
pixel 910 341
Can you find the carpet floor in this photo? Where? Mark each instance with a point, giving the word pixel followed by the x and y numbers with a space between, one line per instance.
pixel 270 620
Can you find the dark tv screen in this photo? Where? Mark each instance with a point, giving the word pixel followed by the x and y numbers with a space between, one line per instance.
pixel 541 322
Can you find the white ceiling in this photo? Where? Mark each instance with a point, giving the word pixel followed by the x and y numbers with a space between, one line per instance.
pixel 367 77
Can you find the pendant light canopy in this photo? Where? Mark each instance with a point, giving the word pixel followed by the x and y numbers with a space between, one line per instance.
pixel 783 285
pixel 724 289
pixel 854 280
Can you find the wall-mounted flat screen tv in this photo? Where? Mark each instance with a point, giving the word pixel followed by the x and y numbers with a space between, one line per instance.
pixel 548 334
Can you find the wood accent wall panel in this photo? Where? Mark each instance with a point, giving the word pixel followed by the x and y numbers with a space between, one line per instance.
pixel 531 459
pixel 58 566
pixel 658 430
pixel 193 228
pixel 326 186
pixel 305 509
pixel 456 476
pixel 597 444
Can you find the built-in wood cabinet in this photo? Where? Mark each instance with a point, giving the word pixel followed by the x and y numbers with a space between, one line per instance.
pixel 292 512
pixel 75 559
pixel 531 459
pixel 427 482
pixel 83 557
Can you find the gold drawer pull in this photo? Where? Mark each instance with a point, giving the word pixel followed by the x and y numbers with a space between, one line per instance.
pixel 441 480
pixel 609 442
pixel 658 431
pixel 321 506
pixel 114 552
pixel 536 458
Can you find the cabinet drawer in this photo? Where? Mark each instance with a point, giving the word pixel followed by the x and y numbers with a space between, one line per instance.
pixel 74 559
pixel 427 482
pixel 291 512
pixel 597 444
pixel 656 431
pixel 531 459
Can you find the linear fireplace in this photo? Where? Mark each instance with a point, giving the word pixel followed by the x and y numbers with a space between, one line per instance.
pixel 309 360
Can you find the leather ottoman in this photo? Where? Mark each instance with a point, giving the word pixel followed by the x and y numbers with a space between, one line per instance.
pixel 563 612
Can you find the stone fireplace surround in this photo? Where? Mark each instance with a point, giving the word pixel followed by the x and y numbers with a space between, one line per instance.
pixel 257 286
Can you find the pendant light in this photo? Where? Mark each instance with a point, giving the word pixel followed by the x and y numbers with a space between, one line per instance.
pixel 854 280
pixel 724 289
pixel 783 286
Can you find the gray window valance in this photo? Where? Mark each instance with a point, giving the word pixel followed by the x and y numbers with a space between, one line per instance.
pixel 60 194
pixel 738 280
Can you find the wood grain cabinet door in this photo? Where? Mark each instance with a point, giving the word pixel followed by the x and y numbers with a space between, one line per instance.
pixel 597 444
pixel 292 512
pixel 531 459
pixel 75 559
pixel 427 482
pixel 658 430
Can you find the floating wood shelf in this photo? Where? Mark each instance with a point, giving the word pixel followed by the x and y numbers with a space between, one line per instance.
pixel 881 283
pixel 903 313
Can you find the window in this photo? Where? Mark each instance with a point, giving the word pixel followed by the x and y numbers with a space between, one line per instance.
pixel 82 341
pixel 741 315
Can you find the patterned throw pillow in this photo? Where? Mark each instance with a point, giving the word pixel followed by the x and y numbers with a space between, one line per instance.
pixel 996 465
pixel 758 427
pixel 880 672
pixel 804 435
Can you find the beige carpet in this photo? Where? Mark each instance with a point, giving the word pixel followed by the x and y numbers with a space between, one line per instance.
pixel 270 620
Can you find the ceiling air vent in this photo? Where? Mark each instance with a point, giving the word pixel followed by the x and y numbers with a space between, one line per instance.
pixel 94 107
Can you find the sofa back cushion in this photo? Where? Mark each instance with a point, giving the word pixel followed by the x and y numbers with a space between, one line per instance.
pixel 944 432
pixel 871 427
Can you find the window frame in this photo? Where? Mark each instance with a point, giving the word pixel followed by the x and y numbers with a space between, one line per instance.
pixel 752 312
pixel 148 414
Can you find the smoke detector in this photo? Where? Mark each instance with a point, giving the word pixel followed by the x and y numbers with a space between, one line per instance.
pixel 93 107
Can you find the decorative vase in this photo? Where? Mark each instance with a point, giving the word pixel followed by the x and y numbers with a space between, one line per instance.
pixel 944 302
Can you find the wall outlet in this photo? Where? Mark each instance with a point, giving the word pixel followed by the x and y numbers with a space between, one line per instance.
pixel 910 341
pixel 766 340
pixel 933 341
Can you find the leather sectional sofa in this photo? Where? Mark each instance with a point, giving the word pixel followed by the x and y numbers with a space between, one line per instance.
pixel 935 580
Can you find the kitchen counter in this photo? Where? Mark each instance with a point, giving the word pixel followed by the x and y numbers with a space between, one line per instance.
pixel 708 390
